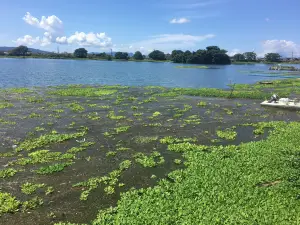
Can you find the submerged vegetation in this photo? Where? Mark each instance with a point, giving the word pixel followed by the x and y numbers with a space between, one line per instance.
pixel 144 154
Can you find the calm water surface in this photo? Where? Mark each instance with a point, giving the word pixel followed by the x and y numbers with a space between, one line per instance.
pixel 51 72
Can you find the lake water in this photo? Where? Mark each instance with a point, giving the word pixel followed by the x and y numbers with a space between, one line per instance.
pixel 52 72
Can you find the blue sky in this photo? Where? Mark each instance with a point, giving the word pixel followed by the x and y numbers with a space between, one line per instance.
pixel 100 25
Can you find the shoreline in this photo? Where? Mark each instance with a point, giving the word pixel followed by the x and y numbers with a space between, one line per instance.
pixel 145 60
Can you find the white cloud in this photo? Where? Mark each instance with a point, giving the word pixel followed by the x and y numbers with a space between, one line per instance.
pixel 89 39
pixel 234 51
pixel 55 34
pixel 283 47
pixel 166 43
pixel 180 20
pixel 52 24
pixel 27 40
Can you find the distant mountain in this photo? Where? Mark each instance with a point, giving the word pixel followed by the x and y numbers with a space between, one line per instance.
pixel 33 50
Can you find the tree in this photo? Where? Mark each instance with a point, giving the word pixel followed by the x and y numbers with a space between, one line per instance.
pixel 179 58
pixel 176 52
pixel 157 55
pixel 121 55
pixel 221 58
pixel 213 48
pixel 138 56
pixel 80 53
pixel 239 57
pixel 250 56
pixel 187 53
pixel 102 55
pixel 210 55
pixel 272 57
pixel 2 53
pixel 19 51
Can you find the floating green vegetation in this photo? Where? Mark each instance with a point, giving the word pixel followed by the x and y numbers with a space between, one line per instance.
pixel 7 122
pixel 83 91
pixel 155 114
pixel 153 125
pixel 194 119
pixel 58 111
pixel 192 67
pixel 152 160
pixel 227 134
pixel 186 146
pixel 269 179
pixel 122 149
pixel 75 150
pixel 76 107
pixel 111 115
pixel 8 172
pixel 87 144
pixel 4 105
pixel 49 190
pixel 177 161
pixel 151 99
pixel 104 106
pixel 57 167
pixel 131 98
pixel 261 126
pixel 18 90
pixel 214 92
pixel 39 129
pixel 47 139
pixel 138 114
pixel 202 104
pixel 8 203
pixel 32 203
pixel 180 112
pixel 238 104
pixel 145 139
pixel 110 181
pixel 30 188
pixel 121 129
pixel 7 154
pixel 35 100
pixel 12 114
pixel 93 116
pixel 228 111
pixel 42 156
pixel 172 140
pixel 92 105
pixel 34 115
pixel 111 153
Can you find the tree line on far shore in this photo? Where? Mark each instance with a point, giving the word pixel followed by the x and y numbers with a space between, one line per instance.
pixel 209 55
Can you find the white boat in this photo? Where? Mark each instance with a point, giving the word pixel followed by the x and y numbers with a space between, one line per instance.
pixel 283 103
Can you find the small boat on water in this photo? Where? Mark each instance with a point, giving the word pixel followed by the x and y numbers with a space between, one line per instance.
pixel 285 103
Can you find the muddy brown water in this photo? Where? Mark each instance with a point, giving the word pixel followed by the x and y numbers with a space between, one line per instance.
pixel 65 202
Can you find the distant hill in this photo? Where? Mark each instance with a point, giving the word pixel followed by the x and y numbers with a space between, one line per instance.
pixel 33 50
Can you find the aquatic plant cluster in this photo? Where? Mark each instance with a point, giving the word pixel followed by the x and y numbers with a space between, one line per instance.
pixel 134 155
